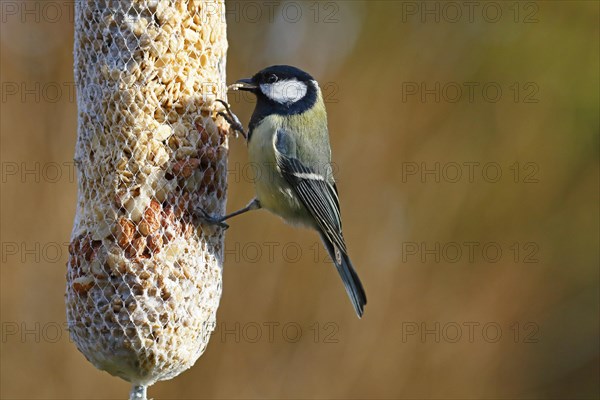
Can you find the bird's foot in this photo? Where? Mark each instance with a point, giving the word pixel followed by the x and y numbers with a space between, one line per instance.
pixel 212 220
pixel 232 119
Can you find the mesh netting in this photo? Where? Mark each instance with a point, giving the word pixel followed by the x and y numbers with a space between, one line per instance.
pixel 144 276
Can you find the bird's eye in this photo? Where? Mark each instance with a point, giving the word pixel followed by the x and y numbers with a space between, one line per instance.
pixel 272 79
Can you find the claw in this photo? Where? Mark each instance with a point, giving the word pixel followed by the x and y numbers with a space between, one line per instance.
pixel 232 119
pixel 206 217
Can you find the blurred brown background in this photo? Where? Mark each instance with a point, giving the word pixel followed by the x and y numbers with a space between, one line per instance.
pixel 480 285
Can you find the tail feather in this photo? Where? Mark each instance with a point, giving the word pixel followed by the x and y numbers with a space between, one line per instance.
pixel 352 283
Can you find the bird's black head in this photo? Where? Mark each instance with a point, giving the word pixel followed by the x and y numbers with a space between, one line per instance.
pixel 281 89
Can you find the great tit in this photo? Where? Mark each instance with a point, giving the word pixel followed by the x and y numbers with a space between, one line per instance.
pixel 288 141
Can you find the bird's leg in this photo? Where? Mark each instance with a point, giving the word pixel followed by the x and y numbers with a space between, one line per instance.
pixel 232 119
pixel 253 205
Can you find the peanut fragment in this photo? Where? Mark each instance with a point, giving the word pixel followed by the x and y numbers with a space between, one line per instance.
pixel 185 168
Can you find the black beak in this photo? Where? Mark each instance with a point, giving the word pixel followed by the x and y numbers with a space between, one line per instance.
pixel 244 84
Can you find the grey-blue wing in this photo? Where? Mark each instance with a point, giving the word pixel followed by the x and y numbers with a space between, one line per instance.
pixel 320 198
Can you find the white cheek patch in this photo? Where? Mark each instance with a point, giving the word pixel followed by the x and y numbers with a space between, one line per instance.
pixel 289 91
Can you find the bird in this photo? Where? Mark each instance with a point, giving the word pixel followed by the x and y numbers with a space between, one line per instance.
pixel 288 140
